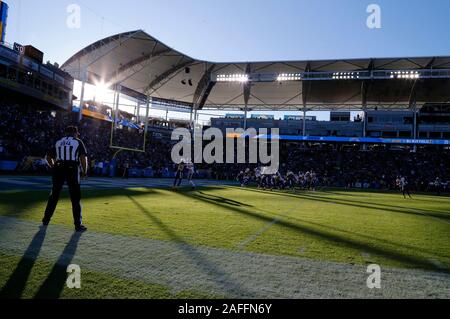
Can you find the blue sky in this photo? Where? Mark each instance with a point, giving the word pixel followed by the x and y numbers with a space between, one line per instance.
pixel 241 30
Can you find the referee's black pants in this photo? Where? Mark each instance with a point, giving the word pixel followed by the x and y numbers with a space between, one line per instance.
pixel 178 179
pixel 63 173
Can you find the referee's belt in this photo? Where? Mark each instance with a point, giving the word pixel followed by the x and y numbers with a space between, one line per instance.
pixel 70 164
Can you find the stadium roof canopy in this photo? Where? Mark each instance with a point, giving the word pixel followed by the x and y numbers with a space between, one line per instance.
pixel 140 63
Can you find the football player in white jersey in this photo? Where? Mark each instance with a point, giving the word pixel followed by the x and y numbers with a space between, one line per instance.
pixel 404 187
pixel 190 174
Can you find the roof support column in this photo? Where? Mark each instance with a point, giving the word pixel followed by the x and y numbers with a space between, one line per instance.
pixel 304 121
pixel 413 107
pixel 147 115
pixel 115 113
pixel 247 93
pixel 194 124
pixel 204 87
pixel 364 107
pixel 83 84
pixel 117 105
pixel 191 118
pixel 245 116
pixel 365 121
pixel 306 85
pixel 415 126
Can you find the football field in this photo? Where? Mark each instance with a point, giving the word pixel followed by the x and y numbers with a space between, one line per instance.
pixel 222 241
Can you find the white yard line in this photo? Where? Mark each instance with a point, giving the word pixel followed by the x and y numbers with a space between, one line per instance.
pixel 18 181
pixel 255 236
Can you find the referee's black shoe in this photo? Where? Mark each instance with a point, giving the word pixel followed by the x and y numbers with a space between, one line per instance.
pixel 80 229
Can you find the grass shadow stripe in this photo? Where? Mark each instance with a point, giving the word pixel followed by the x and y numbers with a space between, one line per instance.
pixel 395 255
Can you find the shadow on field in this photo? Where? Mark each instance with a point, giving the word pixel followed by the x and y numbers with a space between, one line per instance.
pixel 17 282
pixel 221 278
pixel 387 242
pixel 333 238
pixel 54 284
pixel 224 200
pixel 360 204
pixel 336 193
pixel 56 280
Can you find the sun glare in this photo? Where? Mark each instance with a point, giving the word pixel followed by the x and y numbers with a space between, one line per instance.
pixel 101 91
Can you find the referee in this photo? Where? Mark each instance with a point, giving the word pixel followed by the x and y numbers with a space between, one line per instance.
pixel 66 158
pixel 179 175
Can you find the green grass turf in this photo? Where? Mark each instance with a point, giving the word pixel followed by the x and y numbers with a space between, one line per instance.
pixel 15 284
pixel 343 226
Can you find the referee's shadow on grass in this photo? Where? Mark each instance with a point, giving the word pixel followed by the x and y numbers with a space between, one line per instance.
pixel 17 282
pixel 56 280
pixel 333 238
pixel 221 278
pixel 224 200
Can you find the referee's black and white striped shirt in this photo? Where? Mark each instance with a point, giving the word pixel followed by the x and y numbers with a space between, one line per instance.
pixel 68 150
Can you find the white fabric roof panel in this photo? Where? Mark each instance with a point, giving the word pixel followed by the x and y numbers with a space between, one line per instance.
pixel 225 94
pixel 334 92
pixel 143 64
pixel 287 94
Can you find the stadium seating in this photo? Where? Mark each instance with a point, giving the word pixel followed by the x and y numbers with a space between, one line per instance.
pixel 28 129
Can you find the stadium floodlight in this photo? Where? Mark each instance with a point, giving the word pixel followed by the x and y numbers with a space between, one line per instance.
pixel 233 78
pixel 409 75
pixel 289 77
pixel 345 76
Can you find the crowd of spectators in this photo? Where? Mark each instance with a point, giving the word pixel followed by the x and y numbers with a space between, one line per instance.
pixel 29 130
pixel 337 165
pixel 376 168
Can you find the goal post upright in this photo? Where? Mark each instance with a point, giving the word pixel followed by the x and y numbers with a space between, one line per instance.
pixel 114 113
pixel 116 119
pixel 147 114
